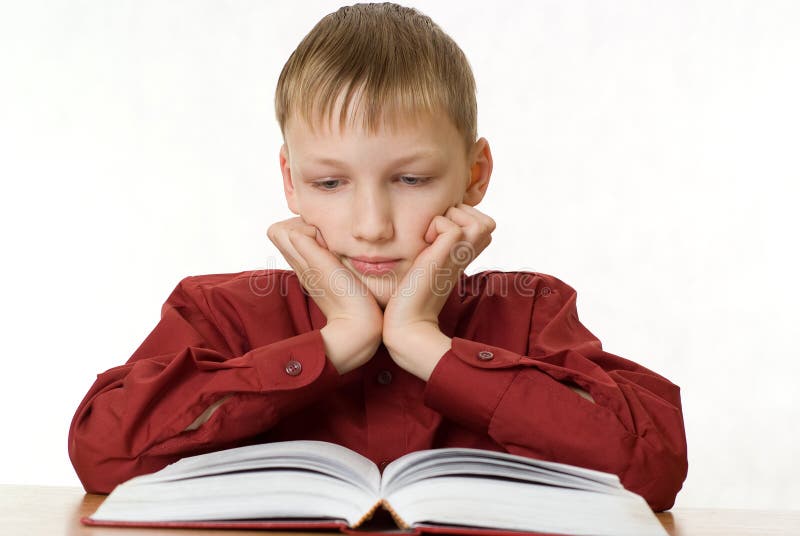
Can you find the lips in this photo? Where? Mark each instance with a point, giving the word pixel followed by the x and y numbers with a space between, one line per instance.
pixel 374 260
pixel 373 265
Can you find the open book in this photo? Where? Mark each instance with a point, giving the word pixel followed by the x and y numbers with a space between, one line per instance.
pixel 321 485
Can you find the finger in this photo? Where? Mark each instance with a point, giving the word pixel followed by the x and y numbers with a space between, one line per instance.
pixel 288 230
pixel 309 230
pixel 475 236
pixel 450 253
pixel 476 230
pixel 289 252
pixel 312 247
pixel 329 266
pixel 470 217
pixel 463 218
pixel 444 234
pixel 285 236
pixel 278 235
pixel 487 220
pixel 437 226
pixel 314 254
pixel 321 240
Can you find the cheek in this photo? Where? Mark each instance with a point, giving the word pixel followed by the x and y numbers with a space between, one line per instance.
pixel 423 205
pixel 323 218
pixel 423 218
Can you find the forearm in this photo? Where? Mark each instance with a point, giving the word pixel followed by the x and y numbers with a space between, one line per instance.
pixel 343 348
pixel 633 427
pixel 143 415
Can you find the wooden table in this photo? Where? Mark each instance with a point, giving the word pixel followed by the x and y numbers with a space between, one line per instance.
pixel 54 511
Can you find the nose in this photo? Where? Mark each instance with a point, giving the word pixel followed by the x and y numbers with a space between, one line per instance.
pixel 372 216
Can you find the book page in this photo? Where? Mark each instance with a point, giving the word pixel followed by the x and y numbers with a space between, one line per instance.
pixel 321 456
pixel 465 466
pixel 434 462
pixel 248 495
pixel 503 504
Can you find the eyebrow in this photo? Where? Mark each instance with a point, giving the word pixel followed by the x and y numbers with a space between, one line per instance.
pixel 419 155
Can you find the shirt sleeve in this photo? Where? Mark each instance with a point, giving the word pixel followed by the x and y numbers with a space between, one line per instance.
pixel 134 418
pixel 633 427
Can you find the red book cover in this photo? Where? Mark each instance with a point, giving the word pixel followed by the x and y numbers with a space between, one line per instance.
pixel 326 525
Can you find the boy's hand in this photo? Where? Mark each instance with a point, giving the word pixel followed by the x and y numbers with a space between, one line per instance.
pixel 412 314
pixel 355 320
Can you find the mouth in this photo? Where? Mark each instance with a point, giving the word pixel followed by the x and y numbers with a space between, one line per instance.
pixel 373 265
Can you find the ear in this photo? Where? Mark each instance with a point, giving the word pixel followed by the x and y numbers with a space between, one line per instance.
pixel 288 186
pixel 480 171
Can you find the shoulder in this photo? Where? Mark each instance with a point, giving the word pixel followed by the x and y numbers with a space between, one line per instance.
pixel 515 284
pixel 519 298
pixel 505 308
pixel 245 286
pixel 234 279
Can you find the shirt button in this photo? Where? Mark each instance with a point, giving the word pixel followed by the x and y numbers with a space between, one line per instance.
pixel 293 368
pixel 485 355
pixel 384 377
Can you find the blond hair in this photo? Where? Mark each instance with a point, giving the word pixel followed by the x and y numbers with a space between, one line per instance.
pixel 400 63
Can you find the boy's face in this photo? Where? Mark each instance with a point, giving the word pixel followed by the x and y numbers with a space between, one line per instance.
pixel 368 200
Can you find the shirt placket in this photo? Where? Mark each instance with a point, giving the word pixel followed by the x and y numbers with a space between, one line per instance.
pixel 385 410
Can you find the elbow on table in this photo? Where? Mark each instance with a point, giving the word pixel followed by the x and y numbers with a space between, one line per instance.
pixel 101 472
pixel 657 474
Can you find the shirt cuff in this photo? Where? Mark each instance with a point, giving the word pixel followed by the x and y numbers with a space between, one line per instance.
pixel 469 381
pixel 295 371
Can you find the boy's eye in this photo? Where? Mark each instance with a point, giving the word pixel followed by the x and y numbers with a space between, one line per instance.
pixel 331 184
pixel 418 180
pixel 323 185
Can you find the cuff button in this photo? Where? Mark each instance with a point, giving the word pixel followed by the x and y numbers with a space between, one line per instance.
pixel 293 368
pixel 485 355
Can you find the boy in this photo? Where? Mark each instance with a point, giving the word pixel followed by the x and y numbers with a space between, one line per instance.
pixel 376 339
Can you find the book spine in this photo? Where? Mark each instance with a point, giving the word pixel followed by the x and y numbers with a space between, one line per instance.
pixel 397 519
pixel 367 516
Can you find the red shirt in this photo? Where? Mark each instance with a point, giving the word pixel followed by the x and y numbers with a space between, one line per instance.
pixel 517 347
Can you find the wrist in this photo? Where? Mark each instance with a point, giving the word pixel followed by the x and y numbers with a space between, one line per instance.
pixel 347 346
pixel 420 350
pixel 407 337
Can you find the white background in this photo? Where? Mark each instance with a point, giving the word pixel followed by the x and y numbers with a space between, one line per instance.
pixel 644 152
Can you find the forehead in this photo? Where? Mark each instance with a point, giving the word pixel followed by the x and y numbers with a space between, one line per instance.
pixel 372 129
pixel 425 139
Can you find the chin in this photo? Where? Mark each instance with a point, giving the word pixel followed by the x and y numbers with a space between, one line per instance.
pixel 381 290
